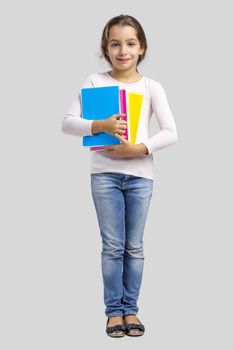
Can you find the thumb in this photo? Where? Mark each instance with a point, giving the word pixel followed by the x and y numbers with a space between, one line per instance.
pixel 121 138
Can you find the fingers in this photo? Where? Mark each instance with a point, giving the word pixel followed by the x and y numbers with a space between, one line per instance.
pixel 116 124
pixel 121 130
pixel 118 116
pixel 108 149
pixel 122 127
pixel 121 138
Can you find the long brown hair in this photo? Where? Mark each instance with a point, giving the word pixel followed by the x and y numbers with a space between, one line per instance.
pixel 123 20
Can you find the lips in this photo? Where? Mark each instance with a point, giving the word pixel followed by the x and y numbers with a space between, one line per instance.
pixel 123 59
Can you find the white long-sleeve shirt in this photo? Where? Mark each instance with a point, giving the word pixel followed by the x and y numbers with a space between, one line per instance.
pixel 154 101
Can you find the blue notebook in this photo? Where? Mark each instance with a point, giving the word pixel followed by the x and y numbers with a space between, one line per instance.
pixel 100 103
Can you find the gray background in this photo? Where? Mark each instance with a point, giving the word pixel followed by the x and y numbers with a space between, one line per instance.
pixel 51 283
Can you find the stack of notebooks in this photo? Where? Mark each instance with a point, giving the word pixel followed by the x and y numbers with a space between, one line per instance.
pixel 102 103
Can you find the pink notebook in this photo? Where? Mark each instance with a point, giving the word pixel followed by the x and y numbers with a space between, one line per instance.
pixel 123 106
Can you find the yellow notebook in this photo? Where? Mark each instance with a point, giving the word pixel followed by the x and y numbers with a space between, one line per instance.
pixel 134 110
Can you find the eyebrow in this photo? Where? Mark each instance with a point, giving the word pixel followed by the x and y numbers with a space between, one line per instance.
pixel 133 39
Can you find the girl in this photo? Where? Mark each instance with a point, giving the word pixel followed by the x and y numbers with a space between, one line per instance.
pixel 122 175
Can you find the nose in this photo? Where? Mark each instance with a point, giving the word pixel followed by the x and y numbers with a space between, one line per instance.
pixel 123 50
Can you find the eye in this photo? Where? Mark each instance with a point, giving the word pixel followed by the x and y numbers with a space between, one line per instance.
pixel 114 44
pixel 131 44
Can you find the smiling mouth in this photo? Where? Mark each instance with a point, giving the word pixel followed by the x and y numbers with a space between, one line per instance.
pixel 122 59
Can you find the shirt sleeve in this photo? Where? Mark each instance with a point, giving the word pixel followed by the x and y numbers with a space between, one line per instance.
pixel 73 123
pixel 168 132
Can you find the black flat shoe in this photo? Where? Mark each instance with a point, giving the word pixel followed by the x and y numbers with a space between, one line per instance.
pixel 134 329
pixel 116 331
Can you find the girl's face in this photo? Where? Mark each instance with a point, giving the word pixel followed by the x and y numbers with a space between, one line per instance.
pixel 123 47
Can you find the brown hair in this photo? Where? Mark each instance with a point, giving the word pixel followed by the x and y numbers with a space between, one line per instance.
pixel 123 20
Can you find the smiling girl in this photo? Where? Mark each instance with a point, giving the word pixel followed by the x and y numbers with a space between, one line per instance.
pixel 122 175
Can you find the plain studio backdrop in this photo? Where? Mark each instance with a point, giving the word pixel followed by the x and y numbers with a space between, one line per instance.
pixel 51 283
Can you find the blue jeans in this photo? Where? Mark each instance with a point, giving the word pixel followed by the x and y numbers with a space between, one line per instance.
pixel 121 202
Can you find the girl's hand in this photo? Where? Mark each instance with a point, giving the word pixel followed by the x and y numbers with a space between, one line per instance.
pixel 114 125
pixel 126 149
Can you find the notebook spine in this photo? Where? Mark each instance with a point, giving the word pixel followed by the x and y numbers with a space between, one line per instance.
pixel 124 109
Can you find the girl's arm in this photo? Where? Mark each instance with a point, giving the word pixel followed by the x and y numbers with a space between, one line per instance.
pixel 73 123
pixel 168 133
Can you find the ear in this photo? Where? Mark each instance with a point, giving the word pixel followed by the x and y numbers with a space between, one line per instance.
pixel 141 52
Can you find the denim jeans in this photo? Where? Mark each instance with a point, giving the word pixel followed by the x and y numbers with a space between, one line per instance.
pixel 121 202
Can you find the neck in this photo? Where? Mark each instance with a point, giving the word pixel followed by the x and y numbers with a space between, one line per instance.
pixel 125 76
